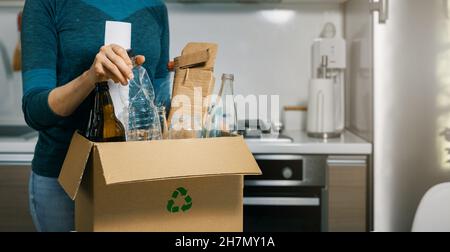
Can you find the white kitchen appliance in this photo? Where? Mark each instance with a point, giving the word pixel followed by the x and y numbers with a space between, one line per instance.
pixel 326 110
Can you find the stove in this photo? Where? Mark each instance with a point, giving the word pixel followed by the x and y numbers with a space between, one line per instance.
pixel 257 131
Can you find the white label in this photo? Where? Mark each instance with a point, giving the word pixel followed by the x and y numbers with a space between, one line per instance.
pixel 118 33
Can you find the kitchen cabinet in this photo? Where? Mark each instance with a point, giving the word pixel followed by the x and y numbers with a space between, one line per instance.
pixel 14 209
pixel 346 194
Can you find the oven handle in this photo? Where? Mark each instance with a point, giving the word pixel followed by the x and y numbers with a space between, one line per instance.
pixel 273 183
pixel 278 201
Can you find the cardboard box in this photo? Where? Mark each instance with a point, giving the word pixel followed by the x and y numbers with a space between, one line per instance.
pixel 170 185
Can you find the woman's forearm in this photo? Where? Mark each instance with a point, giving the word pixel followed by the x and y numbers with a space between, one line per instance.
pixel 65 100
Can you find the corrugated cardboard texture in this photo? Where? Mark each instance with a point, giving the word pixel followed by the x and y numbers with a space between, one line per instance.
pixel 196 47
pixel 74 164
pixel 130 186
pixel 185 83
pixel 84 202
pixel 172 159
pixel 193 59
pixel 192 78
pixel 216 206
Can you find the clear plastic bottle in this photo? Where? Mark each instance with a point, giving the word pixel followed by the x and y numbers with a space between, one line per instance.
pixel 143 119
pixel 222 116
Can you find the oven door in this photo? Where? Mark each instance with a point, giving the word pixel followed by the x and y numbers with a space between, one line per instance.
pixel 283 214
pixel 287 197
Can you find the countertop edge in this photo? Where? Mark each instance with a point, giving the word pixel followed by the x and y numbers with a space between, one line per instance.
pixel 349 144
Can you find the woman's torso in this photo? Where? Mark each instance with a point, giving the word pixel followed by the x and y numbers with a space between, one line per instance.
pixel 80 28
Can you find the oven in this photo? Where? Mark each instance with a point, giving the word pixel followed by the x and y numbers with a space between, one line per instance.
pixel 288 196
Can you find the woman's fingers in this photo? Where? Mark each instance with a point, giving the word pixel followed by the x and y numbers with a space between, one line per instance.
pixel 113 69
pixel 112 62
pixel 119 62
pixel 103 74
pixel 112 77
pixel 140 59
pixel 123 54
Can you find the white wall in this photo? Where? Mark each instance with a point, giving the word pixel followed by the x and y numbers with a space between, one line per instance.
pixel 10 83
pixel 266 46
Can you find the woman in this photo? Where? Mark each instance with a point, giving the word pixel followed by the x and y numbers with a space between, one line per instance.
pixel 63 58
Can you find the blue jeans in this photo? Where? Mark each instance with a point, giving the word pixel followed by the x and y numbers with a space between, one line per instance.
pixel 51 209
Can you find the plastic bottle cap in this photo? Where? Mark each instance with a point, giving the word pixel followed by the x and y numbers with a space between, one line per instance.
pixel 171 65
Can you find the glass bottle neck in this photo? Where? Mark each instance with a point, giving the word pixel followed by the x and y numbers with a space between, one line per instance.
pixel 226 88
pixel 102 90
pixel 102 87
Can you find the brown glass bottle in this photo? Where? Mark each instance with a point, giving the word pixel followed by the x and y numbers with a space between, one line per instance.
pixel 103 124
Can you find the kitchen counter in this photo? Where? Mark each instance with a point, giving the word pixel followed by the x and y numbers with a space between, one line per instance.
pixel 347 144
pixel 16 150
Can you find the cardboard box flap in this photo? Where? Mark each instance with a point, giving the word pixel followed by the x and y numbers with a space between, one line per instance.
pixel 73 168
pixel 174 159
pixel 212 49
pixel 193 59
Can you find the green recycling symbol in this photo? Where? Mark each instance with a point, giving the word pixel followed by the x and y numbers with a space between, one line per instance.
pixel 171 207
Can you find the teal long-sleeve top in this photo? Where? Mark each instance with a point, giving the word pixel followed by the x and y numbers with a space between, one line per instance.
pixel 60 39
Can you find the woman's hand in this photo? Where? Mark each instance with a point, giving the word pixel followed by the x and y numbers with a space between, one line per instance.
pixel 113 63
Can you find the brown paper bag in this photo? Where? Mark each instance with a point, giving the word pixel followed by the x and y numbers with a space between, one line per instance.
pixel 212 49
pixel 191 90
